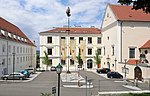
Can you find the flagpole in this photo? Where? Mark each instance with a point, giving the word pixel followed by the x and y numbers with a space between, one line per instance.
pixel 68 30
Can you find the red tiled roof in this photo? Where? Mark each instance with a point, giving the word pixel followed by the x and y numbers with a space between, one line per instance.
pixel 125 13
pixel 133 61
pixel 75 30
pixel 146 45
pixel 11 28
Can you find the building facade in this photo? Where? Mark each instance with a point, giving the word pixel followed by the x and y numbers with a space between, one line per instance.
pixel 124 31
pixel 17 52
pixel 50 42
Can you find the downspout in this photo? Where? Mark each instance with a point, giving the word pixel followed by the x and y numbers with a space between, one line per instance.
pixel 121 42
pixel 7 57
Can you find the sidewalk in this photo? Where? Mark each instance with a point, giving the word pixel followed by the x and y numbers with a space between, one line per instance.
pixel 32 77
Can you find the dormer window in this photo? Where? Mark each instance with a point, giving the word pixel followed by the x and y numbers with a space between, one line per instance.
pixel 3 32
pixel 9 34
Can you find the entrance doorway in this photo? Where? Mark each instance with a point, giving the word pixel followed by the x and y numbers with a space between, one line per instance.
pixel 138 73
pixel 90 63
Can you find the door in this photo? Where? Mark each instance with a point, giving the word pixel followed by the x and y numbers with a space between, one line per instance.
pixel 90 63
pixel 138 73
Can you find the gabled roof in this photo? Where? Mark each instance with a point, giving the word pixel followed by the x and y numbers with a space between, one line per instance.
pixel 75 30
pixel 11 28
pixel 125 13
pixel 146 45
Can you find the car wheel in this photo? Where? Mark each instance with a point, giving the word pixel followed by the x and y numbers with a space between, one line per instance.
pixel 21 78
pixel 4 78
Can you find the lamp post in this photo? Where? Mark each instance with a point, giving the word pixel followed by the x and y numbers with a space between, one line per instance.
pixel 68 30
pixel 13 64
pixel 59 70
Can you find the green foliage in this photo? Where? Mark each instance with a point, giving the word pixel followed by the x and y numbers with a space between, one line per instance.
pixel 46 94
pixel 79 60
pixel 45 60
pixel 137 4
pixel 97 58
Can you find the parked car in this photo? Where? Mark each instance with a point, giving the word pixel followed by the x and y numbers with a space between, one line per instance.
pixel 26 73
pixel 103 70
pixel 114 75
pixel 41 69
pixel 53 68
pixel 14 76
pixel 31 70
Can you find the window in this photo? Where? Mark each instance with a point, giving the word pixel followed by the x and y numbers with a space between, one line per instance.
pixel 3 63
pixel 80 38
pixel 99 51
pixel 112 50
pixel 104 50
pixel 3 48
pixel 17 59
pixel 17 49
pixel 71 38
pixel 50 61
pixel 20 59
pixel 9 48
pixel 131 52
pixel 89 40
pixel 9 61
pixel 14 49
pixel 99 40
pixel 89 51
pixel 20 49
pixel 49 39
pixel 49 51
pixel 71 62
pixel 63 38
pixel 63 62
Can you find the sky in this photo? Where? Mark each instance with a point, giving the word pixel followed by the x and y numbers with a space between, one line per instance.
pixel 35 16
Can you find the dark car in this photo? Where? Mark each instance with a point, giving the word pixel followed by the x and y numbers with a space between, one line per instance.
pixel 103 70
pixel 114 75
pixel 25 72
pixel 14 76
pixel 53 68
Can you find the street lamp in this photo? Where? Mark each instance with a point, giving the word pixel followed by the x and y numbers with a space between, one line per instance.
pixel 68 30
pixel 59 70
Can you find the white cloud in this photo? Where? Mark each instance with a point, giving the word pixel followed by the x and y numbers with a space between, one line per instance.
pixel 34 16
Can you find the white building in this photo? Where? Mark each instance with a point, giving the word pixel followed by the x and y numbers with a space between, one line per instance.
pixel 50 42
pixel 124 31
pixel 13 40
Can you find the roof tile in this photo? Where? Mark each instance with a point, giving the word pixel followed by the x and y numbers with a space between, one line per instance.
pixel 146 45
pixel 75 30
pixel 9 27
pixel 125 13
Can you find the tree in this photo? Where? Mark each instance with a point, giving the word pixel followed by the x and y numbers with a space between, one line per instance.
pixel 79 60
pixel 46 61
pixel 97 59
pixel 137 4
pixel 37 60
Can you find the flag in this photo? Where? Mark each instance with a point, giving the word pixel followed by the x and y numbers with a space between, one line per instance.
pixel 82 50
pixel 63 48
pixel 73 49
